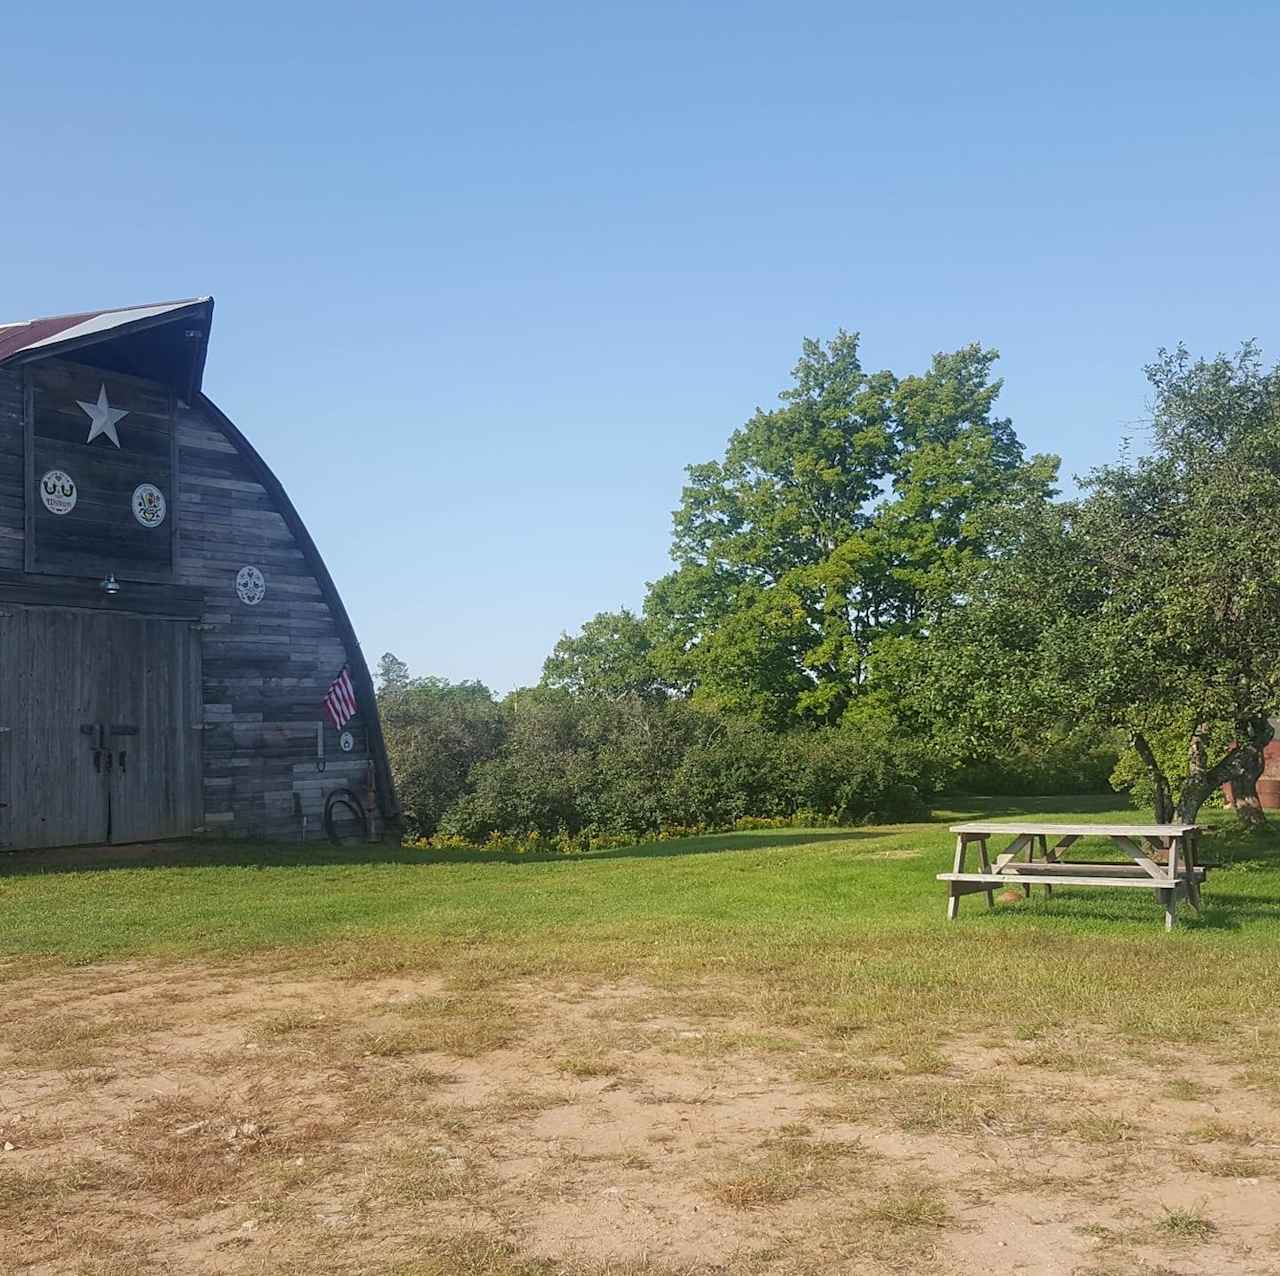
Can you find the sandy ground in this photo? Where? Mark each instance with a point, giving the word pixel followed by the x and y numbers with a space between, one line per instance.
pixel 195 1119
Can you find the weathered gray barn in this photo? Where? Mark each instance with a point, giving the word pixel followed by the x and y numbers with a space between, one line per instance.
pixel 169 634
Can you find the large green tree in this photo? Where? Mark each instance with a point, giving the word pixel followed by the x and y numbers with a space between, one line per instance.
pixel 1149 606
pixel 610 657
pixel 832 522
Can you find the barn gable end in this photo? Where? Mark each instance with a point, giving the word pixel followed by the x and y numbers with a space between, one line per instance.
pixel 173 516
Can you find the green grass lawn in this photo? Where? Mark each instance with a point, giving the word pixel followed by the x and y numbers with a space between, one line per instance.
pixel 772 1042
pixel 832 928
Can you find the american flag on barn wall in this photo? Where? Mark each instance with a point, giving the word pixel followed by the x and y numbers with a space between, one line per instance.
pixel 340 700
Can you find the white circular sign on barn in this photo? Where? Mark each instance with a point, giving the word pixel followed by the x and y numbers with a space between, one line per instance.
pixel 347 741
pixel 251 586
pixel 58 492
pixel 148 505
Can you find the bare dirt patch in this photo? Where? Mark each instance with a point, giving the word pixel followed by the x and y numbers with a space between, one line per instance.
pixel 160 1118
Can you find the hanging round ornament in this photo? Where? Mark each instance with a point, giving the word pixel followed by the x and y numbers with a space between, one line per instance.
pixel 58 492
pixel 251 586
pixel 347 741
pixel 148 505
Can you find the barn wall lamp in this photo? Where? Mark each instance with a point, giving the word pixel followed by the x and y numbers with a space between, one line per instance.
pixel 109 584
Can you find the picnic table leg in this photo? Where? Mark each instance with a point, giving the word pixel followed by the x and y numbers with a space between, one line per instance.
pixel 986 866
pixel 1030 859
pixel 1191 859
pixel 1044 852
pixel 1171 895
pixel 953 897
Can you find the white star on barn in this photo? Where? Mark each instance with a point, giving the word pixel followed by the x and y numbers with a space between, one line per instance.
pixel 102 417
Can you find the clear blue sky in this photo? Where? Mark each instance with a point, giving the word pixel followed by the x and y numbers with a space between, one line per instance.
pixel 489 275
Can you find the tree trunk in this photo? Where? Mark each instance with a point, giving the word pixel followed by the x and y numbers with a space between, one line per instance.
pixel 1240 767
pixel 1163 801
pixel 1246 803
pixel 1200 778
pixel 1249 768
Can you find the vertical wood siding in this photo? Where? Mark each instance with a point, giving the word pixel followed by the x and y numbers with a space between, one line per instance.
pixel 12 476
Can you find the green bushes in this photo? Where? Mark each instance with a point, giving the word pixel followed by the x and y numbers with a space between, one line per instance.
pixel 436 732
pixel 633 767
pixel 550 770
pixel 1064 762
pixel 855 775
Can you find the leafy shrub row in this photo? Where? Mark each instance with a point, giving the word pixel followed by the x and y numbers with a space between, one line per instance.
pixel 549 770
pixel 1064 762
pixel 632 768
pixel 535 843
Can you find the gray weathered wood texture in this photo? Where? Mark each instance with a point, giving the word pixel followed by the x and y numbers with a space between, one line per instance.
pixel 99 741
pixel 56 678
pixel 101 533
pixel 1026 827
pixel 1179 878
pixel 250 680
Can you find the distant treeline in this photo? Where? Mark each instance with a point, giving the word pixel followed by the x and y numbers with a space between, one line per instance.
pixel 878 596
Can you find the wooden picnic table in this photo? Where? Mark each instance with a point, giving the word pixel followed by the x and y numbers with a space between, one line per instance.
pixel 1178 877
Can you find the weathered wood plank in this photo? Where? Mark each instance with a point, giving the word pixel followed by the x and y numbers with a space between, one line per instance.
pixel 1076 830
pixel 1142 883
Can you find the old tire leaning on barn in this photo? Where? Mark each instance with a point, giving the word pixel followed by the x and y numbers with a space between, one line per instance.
pixel 346 822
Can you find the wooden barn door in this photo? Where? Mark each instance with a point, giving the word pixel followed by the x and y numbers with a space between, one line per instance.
pixel 55 670
pixel 97 738
pixel 154 781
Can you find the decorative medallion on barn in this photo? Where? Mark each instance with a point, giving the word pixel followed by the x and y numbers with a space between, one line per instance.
pixel 58 492
pixel 103 417
pixel 148 504
pixel 251 586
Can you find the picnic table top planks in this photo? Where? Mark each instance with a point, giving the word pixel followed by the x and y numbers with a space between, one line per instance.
pixel 1076 830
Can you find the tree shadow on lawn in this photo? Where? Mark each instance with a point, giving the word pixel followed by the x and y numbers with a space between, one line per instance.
pixel 1231 845
pixel 1226 912
pixel 246 854
pixel 955 808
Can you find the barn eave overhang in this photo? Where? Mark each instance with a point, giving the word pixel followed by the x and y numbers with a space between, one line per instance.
pixel 167 342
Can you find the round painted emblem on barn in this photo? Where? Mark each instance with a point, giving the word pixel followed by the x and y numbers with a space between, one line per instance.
pixel 347 741
pixel 148 505
pixel 58 492
pixel 251 587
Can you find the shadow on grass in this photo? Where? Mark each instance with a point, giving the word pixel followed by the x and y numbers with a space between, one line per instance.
pixel 1231 845
pixel 958 807
pixel 94 859
pixel 1227 912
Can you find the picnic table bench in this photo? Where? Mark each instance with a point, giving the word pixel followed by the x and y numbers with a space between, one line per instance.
pixel 1178 845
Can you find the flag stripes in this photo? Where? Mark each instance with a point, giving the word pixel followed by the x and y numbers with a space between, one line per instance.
pixel 340 700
